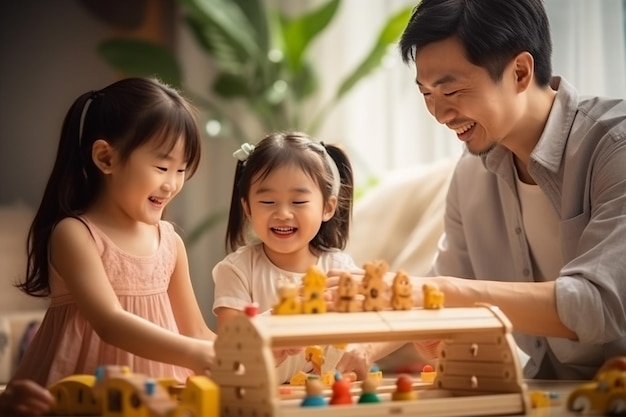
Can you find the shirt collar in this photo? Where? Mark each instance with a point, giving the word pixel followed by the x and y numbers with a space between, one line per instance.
pixel 551 145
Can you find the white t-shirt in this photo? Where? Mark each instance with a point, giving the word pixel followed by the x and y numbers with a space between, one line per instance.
pixel 248 276
pixel 541 224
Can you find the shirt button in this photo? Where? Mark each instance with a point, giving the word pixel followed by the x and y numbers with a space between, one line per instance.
pixel 518 230
pixel 526 272
pixel 538 344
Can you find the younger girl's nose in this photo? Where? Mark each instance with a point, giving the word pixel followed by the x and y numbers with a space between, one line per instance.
pixel 282 212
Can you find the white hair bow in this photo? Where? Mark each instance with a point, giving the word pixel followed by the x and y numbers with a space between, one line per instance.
pixel 244 152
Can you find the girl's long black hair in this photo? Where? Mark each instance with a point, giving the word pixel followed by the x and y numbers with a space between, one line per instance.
pixel 127 114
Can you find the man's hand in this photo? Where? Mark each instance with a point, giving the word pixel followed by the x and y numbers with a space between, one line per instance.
pixel 357 358
pixel 280 355
pixel 25 398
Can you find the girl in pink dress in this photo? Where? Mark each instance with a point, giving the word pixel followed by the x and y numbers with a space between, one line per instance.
pixel 116 273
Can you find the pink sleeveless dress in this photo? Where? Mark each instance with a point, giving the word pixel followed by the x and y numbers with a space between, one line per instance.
pixel 66 344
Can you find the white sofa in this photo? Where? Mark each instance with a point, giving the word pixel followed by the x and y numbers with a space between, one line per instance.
pixel 400 221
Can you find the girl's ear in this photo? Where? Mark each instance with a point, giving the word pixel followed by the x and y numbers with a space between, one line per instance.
pixel 103 155
pixel 246 208
pixel 329 208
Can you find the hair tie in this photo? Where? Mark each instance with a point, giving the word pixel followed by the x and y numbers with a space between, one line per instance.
pixel 321 147
pixel 92 96
pixel 244 152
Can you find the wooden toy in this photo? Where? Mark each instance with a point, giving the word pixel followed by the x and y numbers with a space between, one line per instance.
pixel 606 394
pixel 433 298
pixel 428 374
pixel 401 292
pixel 314 284
pixel 346 294
pixel 314 394
pixel 341 392
pixel 543 399
pixel 373 286
pixel 404 389
pixel 315 356
pixel 115 392
pixel 375 373
pixel 478 372
pixel 288 300
pixel 368 391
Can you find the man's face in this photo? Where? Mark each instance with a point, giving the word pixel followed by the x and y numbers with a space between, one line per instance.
pixel 465 98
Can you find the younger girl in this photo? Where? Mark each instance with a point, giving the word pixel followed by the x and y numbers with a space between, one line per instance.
pixel 116 272
pixel 296 194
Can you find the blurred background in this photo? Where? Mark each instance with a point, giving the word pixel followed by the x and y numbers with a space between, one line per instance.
pixel 333 71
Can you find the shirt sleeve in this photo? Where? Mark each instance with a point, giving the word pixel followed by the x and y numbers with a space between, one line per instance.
pixel 232 288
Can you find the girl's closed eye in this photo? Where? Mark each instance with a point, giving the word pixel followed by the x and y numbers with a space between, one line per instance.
pixel 300 202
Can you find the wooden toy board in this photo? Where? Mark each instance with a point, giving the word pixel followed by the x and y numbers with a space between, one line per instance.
pixel 478 373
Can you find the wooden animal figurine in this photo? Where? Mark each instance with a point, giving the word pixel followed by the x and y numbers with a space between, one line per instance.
pixel 288 300
pixel 346 294
pixel 433 298
pixel 401 292
pixel 373 285
pixel 314 284
pixel 315 355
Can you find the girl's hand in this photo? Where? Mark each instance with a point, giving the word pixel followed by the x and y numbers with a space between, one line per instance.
pixel 204 358
pixel 280 355
pixel 25 398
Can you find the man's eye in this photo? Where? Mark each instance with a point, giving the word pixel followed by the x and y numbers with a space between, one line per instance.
pixel 450 93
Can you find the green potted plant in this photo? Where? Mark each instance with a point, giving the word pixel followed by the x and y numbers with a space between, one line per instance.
pixel 262 62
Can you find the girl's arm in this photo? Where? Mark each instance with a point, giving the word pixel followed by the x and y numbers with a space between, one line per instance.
pixel 74 255
pixel 183 299
pixel 225 314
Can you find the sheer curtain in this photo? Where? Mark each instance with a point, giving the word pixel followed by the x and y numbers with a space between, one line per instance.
pixel 384 122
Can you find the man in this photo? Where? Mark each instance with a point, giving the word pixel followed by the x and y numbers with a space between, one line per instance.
pixel 535 219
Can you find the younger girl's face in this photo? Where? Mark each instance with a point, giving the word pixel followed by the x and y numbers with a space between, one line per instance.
pixel 147 182
pixel 286 210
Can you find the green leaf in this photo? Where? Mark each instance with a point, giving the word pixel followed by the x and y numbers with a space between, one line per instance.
pixel 136 57
pixel 298 33
pixel 256 14
pixel 388 37
pixel 230 86
pixel 224 30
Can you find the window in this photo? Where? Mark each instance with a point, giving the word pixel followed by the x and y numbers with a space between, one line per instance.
pixel 384 123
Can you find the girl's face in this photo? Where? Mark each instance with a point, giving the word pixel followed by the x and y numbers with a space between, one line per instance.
pixel 286 210
pixel 141 187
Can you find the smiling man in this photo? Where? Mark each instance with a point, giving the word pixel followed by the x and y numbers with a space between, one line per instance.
pixel 535 220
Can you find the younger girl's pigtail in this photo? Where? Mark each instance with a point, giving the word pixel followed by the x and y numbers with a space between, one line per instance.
pixel 343 214
pixel 236 217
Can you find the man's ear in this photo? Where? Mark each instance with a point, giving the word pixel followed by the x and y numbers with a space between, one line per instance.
pixel 103 155
pixel 523 70
pixel 329 208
